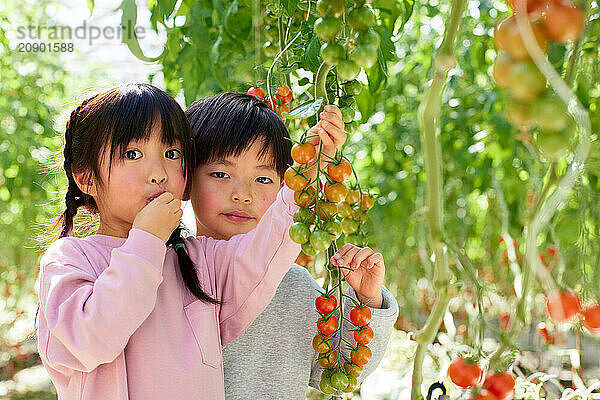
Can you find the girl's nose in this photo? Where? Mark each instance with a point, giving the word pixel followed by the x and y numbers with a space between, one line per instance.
pixel 157 175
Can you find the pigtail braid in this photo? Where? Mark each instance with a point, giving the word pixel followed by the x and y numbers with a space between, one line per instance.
pixel 187 268
pixel 74 198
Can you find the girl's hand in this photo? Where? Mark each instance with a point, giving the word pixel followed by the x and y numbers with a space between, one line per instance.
pixel 160 217
pixel 367 272
pixel 330 132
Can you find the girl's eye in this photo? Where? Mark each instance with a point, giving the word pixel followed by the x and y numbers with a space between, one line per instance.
pixel 220 175
pixel 173 154
pixel 132 154
pixel 264 179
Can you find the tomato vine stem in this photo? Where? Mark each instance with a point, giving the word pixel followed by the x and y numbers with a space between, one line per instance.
pixel 429 112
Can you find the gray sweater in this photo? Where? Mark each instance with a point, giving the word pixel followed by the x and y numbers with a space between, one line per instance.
pixel 274 357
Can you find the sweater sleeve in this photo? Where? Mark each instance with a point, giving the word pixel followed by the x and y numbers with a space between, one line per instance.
pixel 247 268
pixel 382 323
pixel 87 320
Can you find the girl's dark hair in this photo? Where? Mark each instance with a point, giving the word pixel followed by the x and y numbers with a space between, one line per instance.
pixel 103 125
pixel 229 123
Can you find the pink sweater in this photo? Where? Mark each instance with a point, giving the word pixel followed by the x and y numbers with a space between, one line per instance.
pixel 116 321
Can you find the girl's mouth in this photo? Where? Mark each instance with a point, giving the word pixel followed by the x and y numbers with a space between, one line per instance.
pixel 155 195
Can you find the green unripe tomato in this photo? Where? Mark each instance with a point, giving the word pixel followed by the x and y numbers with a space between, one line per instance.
pixel 553 145
pixel 368 38
pixel 361 18
pixel 518 112
pixel 271 33
pixel 339 380
pixel 334 228
pixel 347 70
pixel 327 28
pixel 332 53
pixel 325 385
pixel 352 88
pixel 347 114
pixel 299 232
pixel 320 240
pixel 525 81
pixel 308 249
pixel 550 113
pixel 330 8
pixel 364 56
pixel 352 383
pixel 305 216
pixel 349 226
pixel 270 49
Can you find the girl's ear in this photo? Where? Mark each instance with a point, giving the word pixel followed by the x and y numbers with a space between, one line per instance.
pixel 85 184
pixel 186 194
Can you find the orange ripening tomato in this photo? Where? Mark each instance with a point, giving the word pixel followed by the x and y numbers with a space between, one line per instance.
pixel 303 153
pixel 339 172
pixel 590 316
pixel 257 92
pixel 294 180
pixel 285 94
pixel 534 7
pixel 364 336
pixel 361 356
pixel 335 192
pixel 562 306
pixel 305 197
pixel 329 360
pixel 464 373
pixel 563 21
pixel 321 344
pixel 508 38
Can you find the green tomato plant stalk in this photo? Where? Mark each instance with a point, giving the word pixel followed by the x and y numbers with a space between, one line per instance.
pixel 429 113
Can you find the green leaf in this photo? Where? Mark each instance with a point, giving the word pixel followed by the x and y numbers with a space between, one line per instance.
pixel 311 55
pixel 305 110
pixel 128 22
pixel 90 4
pixel 166 7
pixel 290 6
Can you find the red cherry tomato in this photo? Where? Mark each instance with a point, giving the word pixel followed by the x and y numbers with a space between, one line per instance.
pixel 563 306
pixel 500 384
pixel 552 251
pixel 564 21
pixel 484 395
pixel 360 316
pixel 257 92
pixel 464 373
pixel 364 336
pixel 327 326
pixel 590 317
pixel 285 94
pixel 325 305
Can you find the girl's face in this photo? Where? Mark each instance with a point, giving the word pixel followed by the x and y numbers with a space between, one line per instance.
pixel 230 195
pixel 144 170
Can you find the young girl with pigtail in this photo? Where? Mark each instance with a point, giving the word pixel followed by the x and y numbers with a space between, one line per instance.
pixel 135 311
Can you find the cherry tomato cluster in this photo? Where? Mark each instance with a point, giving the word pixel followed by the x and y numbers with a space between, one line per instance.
pixel 466 373
pixel 334 377
pixel 350 53
pixel 279 103
pixel 530 104
pixel 566 306
pixel 333 211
